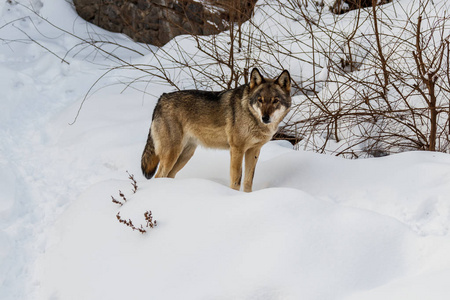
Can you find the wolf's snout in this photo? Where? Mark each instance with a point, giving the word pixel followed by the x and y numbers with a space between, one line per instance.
pixel 266 119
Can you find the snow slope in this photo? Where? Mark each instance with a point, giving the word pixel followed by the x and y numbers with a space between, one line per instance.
pixel 316 226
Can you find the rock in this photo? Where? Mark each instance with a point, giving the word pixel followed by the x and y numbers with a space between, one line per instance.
pixel 156 22
pixel 343 6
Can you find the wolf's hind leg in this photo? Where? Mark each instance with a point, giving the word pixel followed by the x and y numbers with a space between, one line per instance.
pixel 168 140
pixel 184 157
pixel 167 160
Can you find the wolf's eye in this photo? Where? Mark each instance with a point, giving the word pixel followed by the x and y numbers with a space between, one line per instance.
pixel 260 99
pixel 276 100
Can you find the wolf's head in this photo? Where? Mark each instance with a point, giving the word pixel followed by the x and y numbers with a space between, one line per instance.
pixel 270 99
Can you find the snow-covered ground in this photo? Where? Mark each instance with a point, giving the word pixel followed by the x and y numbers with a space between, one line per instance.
pixel 316 226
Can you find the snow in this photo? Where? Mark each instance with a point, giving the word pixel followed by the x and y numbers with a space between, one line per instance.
pixel 315 227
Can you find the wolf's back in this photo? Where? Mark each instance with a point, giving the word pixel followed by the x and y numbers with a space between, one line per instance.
pixel 149 160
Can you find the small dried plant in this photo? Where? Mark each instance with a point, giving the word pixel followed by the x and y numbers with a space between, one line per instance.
pixel 133 182
pixel 130 224
pixel 114 200
pixel 147 215
pixel 122 196
pixel 149 218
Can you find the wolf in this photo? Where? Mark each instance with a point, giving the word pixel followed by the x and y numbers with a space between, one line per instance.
pixel 241 120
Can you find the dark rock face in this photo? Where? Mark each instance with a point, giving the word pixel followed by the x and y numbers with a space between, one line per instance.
pixel 343 6
pixel 158 21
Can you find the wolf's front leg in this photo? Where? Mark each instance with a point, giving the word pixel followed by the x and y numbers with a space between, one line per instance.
pixel 236 156
pixel 251 158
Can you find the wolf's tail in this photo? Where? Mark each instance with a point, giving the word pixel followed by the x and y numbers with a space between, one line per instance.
pixel 150 160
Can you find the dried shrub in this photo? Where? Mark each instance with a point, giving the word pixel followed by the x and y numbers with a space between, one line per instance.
pixel 133 182
pixel 148 217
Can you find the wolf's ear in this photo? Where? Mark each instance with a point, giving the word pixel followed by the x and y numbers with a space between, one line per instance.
pixel 255 78
pixel 284 80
